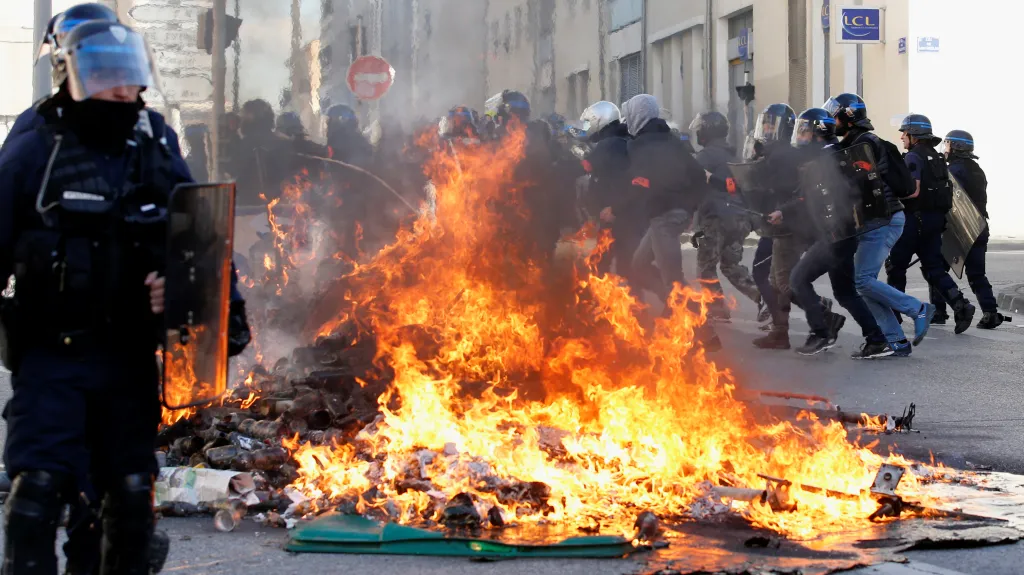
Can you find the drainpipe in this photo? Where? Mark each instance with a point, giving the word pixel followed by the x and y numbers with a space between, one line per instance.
pixel 643 46
pixel 709 93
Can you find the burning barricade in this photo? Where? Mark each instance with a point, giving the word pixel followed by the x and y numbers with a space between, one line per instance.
pixel 452 382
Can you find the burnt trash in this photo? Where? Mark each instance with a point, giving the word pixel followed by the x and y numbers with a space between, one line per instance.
pixel 267 459
pixel 494 517
pixel 266 429
pixel 222 457
pixel 179 509
pixel 461 513
pixel 228 515
pixel 319 420
pixel 647 526
pixel 184 447
pixel 245 442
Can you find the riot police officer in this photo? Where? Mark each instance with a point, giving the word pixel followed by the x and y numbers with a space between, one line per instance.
pixel 344 140
pixel 963 165
pixel 81 198
pixel 609 190
pixel 513 108
pixel 816 134
pixel 854 127
pixel 773 132
pixel 723 227
pixel 926 211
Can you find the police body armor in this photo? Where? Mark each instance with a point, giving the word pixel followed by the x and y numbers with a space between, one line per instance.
pixel 80 268
pixel 936 189
pixel 844 192
pixel 751 181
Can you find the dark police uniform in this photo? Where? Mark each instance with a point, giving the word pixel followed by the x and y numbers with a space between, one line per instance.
pixel 85 408
pixel 926 221
pixel 970 175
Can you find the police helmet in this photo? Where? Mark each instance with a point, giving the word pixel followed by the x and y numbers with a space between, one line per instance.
pixel 709 126
pixel 257 117
pixel 960 143
pixel 848 110
pixel 775 124
pixel 101 55
pixel 514 103
pixel 599 115
pixel 813 122
pixel 342 112
pixel 917 125
pixel 557 123
pixel 460 122
pixel 290 124
pixel 59 27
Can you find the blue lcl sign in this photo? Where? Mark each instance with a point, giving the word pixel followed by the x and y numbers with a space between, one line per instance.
pixel 860 25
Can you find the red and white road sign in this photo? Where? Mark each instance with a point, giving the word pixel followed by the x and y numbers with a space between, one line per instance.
pixel 369 77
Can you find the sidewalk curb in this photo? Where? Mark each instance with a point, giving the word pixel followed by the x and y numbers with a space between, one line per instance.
pixel 1012 298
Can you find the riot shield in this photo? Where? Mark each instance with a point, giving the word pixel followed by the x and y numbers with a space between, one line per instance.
pixel 860 168
pixel 964 223
pixel 830 197
pixel 200 231
pixel 751 182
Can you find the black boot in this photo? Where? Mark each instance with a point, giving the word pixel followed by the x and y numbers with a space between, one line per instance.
pixel 777 338
pixel 963 314
pixel 991 320
pixel 835 323
pixel 128 526
pixel 32 512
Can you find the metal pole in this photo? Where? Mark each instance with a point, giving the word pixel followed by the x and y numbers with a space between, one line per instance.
pixel 238 63
pixel 709 20
pixel 219 69
pixel 828 65
pixel 643 46
pixel 860 70
pixel 42 83
pixel 296 56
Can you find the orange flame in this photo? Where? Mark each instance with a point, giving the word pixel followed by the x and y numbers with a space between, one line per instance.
pixel 625 419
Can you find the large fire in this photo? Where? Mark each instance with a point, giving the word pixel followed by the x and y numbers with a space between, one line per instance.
pixel 524 375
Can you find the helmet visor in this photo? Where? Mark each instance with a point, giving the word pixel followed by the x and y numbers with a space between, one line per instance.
pixel 803 132
pixel 116 58
pixel 831 106
pixel 769 127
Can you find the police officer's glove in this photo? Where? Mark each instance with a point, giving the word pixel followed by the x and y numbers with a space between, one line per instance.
pixel 239 335
pixel 695 239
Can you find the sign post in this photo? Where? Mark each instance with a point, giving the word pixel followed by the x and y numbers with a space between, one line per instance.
pixel 370 77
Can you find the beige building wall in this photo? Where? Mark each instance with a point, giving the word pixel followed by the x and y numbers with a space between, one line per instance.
pixel 577 56
pixel 510 47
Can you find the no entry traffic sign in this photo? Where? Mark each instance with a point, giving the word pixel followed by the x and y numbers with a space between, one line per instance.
pixel 369 77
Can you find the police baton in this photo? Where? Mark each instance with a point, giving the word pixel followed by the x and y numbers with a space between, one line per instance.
pixel 747 210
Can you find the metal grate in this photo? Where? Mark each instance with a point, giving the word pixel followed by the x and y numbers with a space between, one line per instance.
pixel 798 55
pixel 629 74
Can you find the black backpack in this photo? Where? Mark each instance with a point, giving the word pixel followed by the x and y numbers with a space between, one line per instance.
pixel 898 177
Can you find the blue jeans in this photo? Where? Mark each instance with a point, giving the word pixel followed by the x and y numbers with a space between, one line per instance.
pixel 872 249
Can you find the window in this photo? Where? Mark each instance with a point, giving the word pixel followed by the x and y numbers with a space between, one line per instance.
pixel 624 12
pixel 579 93
pixel 629 74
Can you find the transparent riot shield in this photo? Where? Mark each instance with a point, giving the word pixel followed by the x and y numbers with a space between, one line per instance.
pixel 831 198
pixel 750 181
pixel 860 168
pixel 964 223
pixel 200 231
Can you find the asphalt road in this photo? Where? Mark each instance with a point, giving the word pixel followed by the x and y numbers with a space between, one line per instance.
pixel 969 399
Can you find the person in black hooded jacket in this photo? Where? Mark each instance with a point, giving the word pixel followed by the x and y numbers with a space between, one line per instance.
pixel 671 185
pixel 609 189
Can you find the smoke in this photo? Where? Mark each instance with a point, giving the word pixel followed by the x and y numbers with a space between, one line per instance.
pixel 266 46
